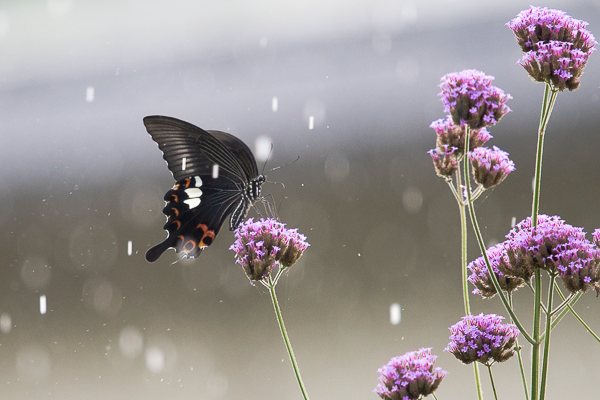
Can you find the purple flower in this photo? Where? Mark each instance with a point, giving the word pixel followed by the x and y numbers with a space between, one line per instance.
pixel 483 338
pixel 265 244
pixel 541 24
pixel 596 237
pixel 490 166
pixel 445 160
pixel 480 277
pixel 448 133
pixel 410 376
pixel 556 46
pixel 556 247
pixel 556 62
pixel 578 265
pixel 471 99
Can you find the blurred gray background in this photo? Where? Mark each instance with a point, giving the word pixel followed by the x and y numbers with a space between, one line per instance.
pixel 80 179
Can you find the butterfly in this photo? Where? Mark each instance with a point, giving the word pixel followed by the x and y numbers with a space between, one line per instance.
pixel 216 176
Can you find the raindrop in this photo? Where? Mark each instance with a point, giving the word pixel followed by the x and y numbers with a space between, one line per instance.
pixel 274 104
pixel 129 247
pixel 262 148
pixel 215 171
pixel 183 163
pixel 395 313
pixel 513 222
pixel 90 93
pixel 43 304
pixel 5 323
pixel 311 122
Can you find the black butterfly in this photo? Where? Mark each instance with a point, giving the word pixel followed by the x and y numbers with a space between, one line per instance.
pixel 216 176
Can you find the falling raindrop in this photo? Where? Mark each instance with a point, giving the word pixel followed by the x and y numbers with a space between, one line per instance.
pixel 5 323
pixel 274 104
pixel 43 304
pixel 311 122
pixel 183 163
pixel 215 171
pixel 395 313
pixel 262 148
pixel 90 94
pixel 129 247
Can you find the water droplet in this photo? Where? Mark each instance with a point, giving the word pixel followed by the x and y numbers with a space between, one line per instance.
pixel 90 94
pixel 395 313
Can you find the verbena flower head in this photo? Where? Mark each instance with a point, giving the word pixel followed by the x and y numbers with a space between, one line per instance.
pixel 490 166
pixel 541 24
pixel 596 237
pixel 410 376
pixel 471 99
pixel 578 265
pixel 265 244
pixel 445 160
pixel 556 45
pixel 528 249
pixel 449 133
pixel 480 277
pixel 556 62
pixel 483 338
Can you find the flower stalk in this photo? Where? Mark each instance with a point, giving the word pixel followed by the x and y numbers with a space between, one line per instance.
pixel 286 340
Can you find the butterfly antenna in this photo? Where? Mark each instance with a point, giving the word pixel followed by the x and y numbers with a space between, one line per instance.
pixel 268 158
pixel 284 165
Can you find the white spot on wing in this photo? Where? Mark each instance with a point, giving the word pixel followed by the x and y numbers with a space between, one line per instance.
pixel 197 181
pixel 193 192
pixel 192 203
pixel 215 171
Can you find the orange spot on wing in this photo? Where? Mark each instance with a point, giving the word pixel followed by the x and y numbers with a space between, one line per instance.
pixel 174 198
pixel 175 212
pixel 187 182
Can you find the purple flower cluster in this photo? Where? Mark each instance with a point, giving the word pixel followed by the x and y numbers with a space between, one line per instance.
pixel 556 46
pixel 265 244
pixel 470 99
pixel 480 277
pixel 445 160
pixel 448 133
pixel 483 338
pixel 596 237
pixel 490 166
pixel 410 376
pixel 554 246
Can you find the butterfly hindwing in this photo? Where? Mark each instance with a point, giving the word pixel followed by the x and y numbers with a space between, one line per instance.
pixel 196 208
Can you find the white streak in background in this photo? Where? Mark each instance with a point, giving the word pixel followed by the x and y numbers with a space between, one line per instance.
pixel 43 304
pixel 395 313
pixel 262 148
pixel 311 122
pixel 129 247
pixel 215 171
pixel 131 342
pixel 5 323
pixel 274 104
pixel 183 162
pixel 90 93
pixel 513 222
pixel 155 359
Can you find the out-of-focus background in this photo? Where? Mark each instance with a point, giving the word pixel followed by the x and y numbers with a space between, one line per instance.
pixel 350 87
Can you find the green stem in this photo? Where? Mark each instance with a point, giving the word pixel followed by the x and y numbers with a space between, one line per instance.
pixel 564 311
pixel 463 264
pixel 545 357
pixel 489 367
pixel 547 105
pixel 520 357
pixel 284 335
pixel 576 315
pixel 481 243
